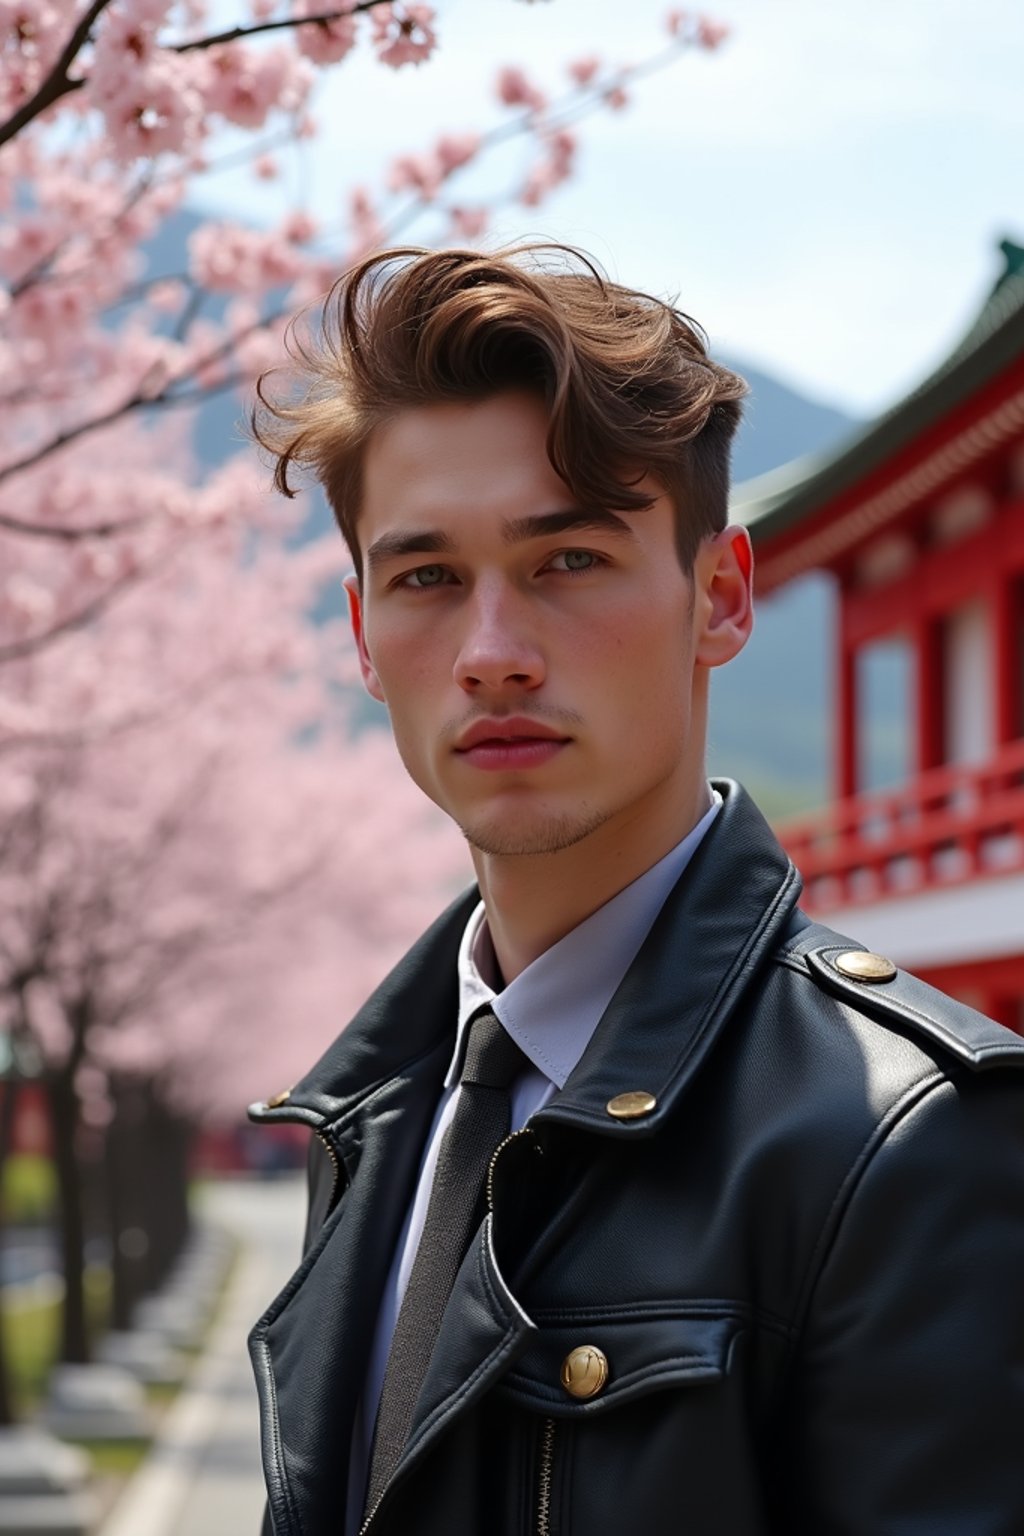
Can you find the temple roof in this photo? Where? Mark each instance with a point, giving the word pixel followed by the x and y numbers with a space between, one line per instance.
pixel 775 502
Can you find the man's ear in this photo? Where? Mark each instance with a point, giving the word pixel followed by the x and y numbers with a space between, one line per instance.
pixel 355 612
pixel 724 576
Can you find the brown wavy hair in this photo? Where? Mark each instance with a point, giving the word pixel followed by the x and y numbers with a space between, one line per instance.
pixel 626 378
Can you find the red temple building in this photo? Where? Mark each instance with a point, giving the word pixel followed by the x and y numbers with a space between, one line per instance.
pixel 920 523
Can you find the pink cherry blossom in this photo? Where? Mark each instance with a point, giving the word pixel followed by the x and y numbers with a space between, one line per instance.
pixel 167 296
pixel 711 34
pixel 31 33
pixel 421 173
pixel 153 13
pixel 561 145
pixel 454 150
pixel 467 223
pixel 154 111
pixel 403 33
pixel 325 42
pixel 245 84
pixel 584 70
pixel 365 222
pixel 299 228
pixel 228 258
pixel 124 41
pixel 551 171
pixel 515 89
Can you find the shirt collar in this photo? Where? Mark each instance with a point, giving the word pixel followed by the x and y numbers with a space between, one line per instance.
pixel 553 1007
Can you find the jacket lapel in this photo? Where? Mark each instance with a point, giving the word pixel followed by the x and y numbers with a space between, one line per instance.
pixel 311 1347
pixel 371 1100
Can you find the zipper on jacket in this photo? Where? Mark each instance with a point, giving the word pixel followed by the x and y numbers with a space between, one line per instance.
pixel 335 1164
pixel 499 1149
pixel 370 1514
pixel 544 1474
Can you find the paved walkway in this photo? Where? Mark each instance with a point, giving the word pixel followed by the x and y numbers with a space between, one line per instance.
pixel 203 1476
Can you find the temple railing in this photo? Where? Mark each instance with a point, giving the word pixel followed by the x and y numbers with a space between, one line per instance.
pixel 947 826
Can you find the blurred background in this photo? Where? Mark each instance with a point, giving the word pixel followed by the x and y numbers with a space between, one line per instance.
pixel 209 853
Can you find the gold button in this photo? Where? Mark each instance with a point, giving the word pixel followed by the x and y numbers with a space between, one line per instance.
pixel 631 1106
pixel 864 966
pixel 584 1371
pixel 278 1099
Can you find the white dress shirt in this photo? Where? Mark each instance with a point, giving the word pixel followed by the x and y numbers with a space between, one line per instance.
pixel 551 1010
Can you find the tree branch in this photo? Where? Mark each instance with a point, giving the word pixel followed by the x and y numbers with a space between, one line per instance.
pixel 41 270
pixel 56 83
pixel 64 534
pixel 235 33
pixel 32 643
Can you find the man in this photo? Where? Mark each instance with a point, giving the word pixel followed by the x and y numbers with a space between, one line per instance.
pixel 648 1205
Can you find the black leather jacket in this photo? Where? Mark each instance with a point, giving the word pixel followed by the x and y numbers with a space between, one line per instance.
pixel 804 1267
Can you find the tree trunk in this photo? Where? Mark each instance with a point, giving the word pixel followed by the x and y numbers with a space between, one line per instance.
pixel 127 1155
pixel 64 1116
pixel 8 1105
pixel 8 1115
pixel 169 1146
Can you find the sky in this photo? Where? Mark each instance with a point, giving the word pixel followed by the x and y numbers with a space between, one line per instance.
pixel 824 193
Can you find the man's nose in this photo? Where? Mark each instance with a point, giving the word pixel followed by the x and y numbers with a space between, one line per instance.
pixel 500 646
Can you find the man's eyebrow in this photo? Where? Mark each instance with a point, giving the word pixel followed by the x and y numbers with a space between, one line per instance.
pixel 517 530
pixel 392 546
pixel 572 520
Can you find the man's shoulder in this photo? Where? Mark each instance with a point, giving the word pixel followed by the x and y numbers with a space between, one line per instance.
pixel 830 969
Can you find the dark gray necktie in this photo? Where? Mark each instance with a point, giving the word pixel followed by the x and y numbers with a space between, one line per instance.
pixel 480 1122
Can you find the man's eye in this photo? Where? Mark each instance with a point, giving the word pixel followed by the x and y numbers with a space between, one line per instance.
pixel 575 560
pixel 426 576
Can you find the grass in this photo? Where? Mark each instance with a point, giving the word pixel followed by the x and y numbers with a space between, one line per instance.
pixel 162 1393
pixel 28 1193
pixel 114 1458
pixel 31 1337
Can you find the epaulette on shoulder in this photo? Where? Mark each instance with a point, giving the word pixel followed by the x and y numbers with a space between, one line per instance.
pixel 880 989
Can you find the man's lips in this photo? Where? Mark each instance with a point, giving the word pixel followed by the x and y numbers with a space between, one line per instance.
pixel 512 743
pixel 501 732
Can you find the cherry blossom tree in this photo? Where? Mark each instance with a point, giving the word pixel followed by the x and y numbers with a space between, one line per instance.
pixel 203 875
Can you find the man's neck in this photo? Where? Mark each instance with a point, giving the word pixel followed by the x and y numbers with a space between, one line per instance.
pixel 533 900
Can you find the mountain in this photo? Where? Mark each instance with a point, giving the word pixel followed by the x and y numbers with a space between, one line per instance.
pixel 779 424
pixel 771 713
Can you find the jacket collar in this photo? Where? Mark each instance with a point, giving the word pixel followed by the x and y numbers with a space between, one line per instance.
pixel 720 921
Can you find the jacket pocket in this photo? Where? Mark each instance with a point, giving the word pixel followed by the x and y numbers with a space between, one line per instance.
pixel 642 1418
pixel 590 1362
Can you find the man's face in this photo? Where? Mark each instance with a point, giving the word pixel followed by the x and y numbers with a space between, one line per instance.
pixel 537 662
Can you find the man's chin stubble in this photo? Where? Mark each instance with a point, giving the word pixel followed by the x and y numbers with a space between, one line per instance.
pixel 516 842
